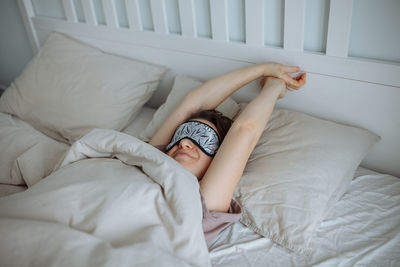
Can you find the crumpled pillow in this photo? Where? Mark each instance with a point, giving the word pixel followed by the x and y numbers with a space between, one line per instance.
pixel 299 169
pixel 26 155
pixel 69 88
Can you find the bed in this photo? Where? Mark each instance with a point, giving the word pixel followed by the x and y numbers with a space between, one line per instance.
pixel 80 185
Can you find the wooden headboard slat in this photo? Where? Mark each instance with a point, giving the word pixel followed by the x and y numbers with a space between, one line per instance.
pixel 69 10
pixel 293 34
pixel 339 25
pixel 159 16
pixel 110 13
pixel 88 10
pixel 187 18
pixel 254 22
pixel 219 20
pixel 134 18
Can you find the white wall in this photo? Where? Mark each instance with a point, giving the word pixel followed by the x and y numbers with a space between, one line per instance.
pixel 375 31
pixel 374 34
pixel 15 50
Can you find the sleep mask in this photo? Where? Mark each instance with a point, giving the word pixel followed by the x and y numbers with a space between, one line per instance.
pixel 204 136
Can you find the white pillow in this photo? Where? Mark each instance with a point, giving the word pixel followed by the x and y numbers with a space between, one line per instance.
pixel 68 88
pixel 26 155
pixel 182 85
pixel 300 167
pixel 140 122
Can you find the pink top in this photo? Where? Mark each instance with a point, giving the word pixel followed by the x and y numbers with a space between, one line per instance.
pixel 214 222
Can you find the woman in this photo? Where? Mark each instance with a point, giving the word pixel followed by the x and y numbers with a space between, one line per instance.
pixel 194 136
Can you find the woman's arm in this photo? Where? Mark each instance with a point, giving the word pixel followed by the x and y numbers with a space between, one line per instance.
pixel 215 91
pixel 220 180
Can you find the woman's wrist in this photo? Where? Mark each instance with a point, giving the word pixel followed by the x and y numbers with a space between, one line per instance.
pixel 269 68
pixel 266 69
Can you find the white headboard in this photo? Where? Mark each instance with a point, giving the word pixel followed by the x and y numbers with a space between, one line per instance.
pixel 355 91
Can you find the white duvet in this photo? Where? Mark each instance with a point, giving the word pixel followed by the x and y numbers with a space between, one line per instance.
pixel 113 201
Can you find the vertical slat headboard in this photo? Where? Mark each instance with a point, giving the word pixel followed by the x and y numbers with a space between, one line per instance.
pixel 254 22
pixel 110 13
pixel 134 18
pixel 188 22
pixel 334 62
pixel 338 39
pixel 69 10
pixel 88 10
pixel 159 16
pixel 293 38
pixel 219 20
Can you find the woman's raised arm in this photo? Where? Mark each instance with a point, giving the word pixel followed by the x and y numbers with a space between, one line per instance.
pixel 215 91
pixel 226 169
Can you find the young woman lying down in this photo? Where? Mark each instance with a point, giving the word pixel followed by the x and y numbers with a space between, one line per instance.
pixel 213 147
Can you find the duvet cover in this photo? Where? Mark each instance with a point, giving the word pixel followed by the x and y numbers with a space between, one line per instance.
pixel 113 200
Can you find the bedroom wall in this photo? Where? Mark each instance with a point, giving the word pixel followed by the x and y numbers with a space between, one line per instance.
pixel 374 29
pixel 15 50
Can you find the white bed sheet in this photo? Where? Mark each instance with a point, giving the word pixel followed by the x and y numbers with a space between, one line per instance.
pixel 362 229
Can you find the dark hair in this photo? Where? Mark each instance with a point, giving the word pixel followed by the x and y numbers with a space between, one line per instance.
pixel 221 122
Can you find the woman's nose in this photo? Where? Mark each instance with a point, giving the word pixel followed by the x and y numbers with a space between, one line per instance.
pixel 185 143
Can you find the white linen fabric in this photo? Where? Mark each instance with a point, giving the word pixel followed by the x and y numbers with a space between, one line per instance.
pixel 8 189
pixel 69 88
pixel 101 211
pixel 182 85
pixel 299 168
pixel 362 229
pixel 26 155
pixel 45 161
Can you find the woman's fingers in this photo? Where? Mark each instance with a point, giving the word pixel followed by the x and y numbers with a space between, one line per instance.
pixel 282 72
pixel 301 79
pixel 290 81
pixel 297 82
pixel 286 70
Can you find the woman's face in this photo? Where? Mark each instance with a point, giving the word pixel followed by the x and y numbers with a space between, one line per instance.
pixel 190 156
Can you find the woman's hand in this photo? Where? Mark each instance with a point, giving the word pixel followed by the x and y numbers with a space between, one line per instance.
pixel 282 72
pixel 272 83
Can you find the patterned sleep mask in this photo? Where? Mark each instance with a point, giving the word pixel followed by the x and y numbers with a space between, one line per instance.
pixel 205 137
